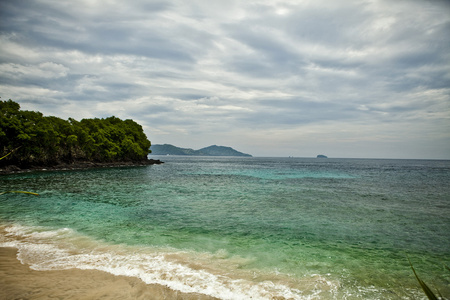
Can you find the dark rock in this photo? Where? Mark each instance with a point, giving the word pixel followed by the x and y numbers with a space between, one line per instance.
pixel 78 165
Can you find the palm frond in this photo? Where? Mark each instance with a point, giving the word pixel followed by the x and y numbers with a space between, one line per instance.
pixel 423 285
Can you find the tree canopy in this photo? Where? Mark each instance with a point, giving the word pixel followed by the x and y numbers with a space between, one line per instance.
pixel 47 140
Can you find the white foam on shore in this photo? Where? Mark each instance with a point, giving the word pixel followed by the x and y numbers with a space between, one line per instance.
pixel 60 249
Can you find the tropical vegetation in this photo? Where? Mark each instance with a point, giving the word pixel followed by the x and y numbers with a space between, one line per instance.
pixel 38 140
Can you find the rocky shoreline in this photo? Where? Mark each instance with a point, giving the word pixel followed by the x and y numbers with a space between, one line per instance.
pixel 78 165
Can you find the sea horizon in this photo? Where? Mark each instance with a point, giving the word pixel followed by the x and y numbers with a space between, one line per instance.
pixel 306 157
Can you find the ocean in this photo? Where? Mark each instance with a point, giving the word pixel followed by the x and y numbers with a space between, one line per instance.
pixel 242 228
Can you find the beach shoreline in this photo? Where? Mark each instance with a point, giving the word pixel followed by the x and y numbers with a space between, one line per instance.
pixel 19 281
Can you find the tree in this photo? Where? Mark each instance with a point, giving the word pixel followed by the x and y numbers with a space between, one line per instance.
pixel 48 140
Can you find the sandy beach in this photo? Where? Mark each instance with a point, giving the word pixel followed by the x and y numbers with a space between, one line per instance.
pixel 18 281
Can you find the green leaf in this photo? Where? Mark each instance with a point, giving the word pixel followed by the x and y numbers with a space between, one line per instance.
pixel 5 155
pixel 424 287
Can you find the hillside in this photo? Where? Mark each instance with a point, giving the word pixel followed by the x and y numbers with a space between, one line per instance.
pixel 30 139
pixel 213 150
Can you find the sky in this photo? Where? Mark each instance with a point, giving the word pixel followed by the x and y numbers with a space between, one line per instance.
pixel 357 79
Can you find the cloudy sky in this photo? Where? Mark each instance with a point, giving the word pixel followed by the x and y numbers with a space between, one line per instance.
pixel 368 78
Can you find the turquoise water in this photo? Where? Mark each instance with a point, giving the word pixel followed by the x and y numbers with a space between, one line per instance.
pixel 241 228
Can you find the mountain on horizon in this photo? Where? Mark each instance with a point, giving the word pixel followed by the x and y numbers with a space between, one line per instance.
pixel 214 150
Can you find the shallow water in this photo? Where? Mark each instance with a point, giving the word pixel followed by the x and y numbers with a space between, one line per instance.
pixel 237 228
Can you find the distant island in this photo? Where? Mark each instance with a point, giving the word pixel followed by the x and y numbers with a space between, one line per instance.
pixel 213 150
pixel 30 140
pixel 322 156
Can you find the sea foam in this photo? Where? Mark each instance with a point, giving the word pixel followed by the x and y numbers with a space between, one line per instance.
pixel 45 249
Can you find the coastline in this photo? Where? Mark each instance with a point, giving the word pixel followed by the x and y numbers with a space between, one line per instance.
pixel 18 281
pixel 78 165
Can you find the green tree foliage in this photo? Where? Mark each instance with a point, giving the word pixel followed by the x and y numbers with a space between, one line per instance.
pixel 46 140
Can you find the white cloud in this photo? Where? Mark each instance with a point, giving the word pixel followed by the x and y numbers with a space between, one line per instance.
pixel 267 77
pixel 45 70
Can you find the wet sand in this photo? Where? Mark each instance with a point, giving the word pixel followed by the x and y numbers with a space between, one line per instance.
pixel 18 281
